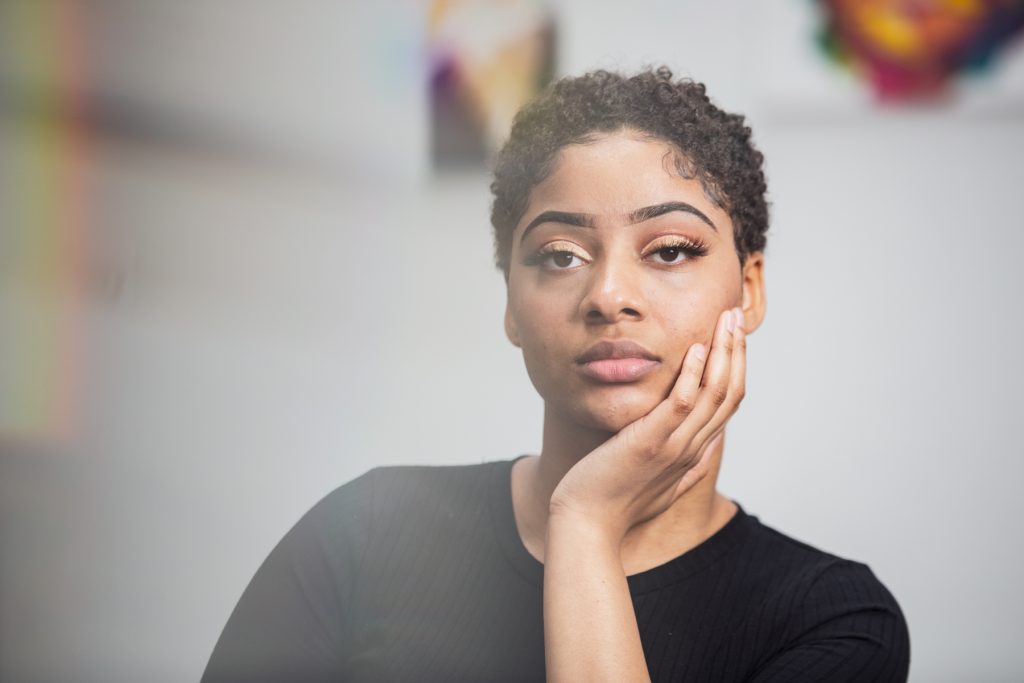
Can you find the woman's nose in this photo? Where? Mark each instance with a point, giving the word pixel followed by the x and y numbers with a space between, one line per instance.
pixel 613 292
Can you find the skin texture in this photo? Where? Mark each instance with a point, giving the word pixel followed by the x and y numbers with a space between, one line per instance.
pixel 626 477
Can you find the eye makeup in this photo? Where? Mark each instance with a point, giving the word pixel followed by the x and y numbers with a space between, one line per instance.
pixel 667 250
pixel 556 253
pixel 670 246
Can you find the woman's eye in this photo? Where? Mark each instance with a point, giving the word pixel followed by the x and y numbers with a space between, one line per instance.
pixel 558 256
pixel 669 254
pixel 676 252
pixel 563 259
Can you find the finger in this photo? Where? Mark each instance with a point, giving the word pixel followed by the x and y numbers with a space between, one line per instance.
pixel 679 403
pixel 714 386
pixel 737 384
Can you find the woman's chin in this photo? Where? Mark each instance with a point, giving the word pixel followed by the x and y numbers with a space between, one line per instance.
pixel 613 413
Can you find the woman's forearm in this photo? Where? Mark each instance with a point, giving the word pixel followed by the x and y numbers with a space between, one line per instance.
pixel 590 630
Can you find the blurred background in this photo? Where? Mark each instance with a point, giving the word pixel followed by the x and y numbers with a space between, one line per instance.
pixel 245 255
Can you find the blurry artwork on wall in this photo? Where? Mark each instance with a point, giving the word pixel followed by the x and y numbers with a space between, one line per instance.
pixel 912 50
pixel 487 58
pixel 42 219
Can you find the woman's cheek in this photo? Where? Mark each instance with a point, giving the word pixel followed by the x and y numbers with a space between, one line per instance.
pixel 686 324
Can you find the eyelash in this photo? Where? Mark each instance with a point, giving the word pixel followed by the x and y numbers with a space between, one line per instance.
pixel 542 255
pixel 691 248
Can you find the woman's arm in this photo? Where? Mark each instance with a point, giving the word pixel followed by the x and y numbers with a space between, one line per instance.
pixel 590 629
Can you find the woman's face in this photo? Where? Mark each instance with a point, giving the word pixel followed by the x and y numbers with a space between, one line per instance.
pixel 618 266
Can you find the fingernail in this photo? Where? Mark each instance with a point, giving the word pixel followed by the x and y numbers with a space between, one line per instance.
pixel 730 320
pixel 698 351
pixel 741 320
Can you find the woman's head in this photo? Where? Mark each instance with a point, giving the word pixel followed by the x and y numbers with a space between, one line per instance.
pixel 623 244
pixel 709 144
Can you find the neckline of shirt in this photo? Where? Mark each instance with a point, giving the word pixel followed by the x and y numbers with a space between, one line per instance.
pixel 530 568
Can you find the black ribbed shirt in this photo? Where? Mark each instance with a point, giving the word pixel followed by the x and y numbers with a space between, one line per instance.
pixel 419 574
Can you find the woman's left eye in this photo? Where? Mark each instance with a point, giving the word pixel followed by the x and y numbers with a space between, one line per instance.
pixel 676 251
pixel 669 254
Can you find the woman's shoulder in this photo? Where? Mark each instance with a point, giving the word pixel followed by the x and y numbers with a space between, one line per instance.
pixel 765 564
pixel 817 584
pixel 404 489
pixel 810 599
pixel 794 561
pixel 389 500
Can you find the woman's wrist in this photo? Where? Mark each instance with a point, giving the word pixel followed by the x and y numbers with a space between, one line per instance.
pixel 584 528
pixel 590 627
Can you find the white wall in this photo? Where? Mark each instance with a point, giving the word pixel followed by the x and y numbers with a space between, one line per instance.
pixel 281 329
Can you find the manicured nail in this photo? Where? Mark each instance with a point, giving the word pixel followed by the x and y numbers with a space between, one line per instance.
pixel 698 351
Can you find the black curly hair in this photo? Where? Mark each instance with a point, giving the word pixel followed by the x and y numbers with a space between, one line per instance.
pixel 714 146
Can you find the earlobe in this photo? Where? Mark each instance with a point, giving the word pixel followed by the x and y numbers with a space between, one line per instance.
pixel 753 291
pixel 510 329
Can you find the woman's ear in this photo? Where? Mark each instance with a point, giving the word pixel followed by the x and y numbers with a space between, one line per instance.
pixel 510 328
pixel 753 291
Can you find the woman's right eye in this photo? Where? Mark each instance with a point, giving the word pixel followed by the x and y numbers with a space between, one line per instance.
pixel 558 256
pixel 562 259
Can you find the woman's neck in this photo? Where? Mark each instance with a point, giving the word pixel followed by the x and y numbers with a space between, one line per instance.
pixel 693 517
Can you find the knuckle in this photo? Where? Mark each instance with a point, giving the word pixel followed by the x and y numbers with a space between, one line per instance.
pixel 719 394
pixel 682 405
pixel 644 449
pixel 649 451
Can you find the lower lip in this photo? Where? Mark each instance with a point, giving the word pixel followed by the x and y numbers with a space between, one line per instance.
pixel 618 369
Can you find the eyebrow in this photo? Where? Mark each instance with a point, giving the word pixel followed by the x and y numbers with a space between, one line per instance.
pixel 586 220
pixel 649 212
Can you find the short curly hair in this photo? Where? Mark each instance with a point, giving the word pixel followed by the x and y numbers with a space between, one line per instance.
pixel 714 146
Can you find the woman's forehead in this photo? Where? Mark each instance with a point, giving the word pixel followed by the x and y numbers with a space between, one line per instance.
pixel 615 176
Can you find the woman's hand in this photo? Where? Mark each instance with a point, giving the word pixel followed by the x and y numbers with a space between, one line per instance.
pixel 590 629
pixel 642 470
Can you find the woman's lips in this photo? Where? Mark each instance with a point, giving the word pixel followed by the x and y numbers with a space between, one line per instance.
pixel 618 369
pixel 620 360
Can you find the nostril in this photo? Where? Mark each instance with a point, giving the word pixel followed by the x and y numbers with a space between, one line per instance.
pixel 595 314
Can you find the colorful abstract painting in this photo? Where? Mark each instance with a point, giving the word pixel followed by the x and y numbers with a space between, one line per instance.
pixel 487 59
pixel 912 50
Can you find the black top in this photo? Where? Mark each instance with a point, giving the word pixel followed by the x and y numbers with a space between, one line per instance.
pixel 419 574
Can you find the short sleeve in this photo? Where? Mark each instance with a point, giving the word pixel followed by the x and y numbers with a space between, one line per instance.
pixel 849 628
pixel 290 623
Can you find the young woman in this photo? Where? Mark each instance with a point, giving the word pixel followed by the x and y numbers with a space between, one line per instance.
pixel 630 219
